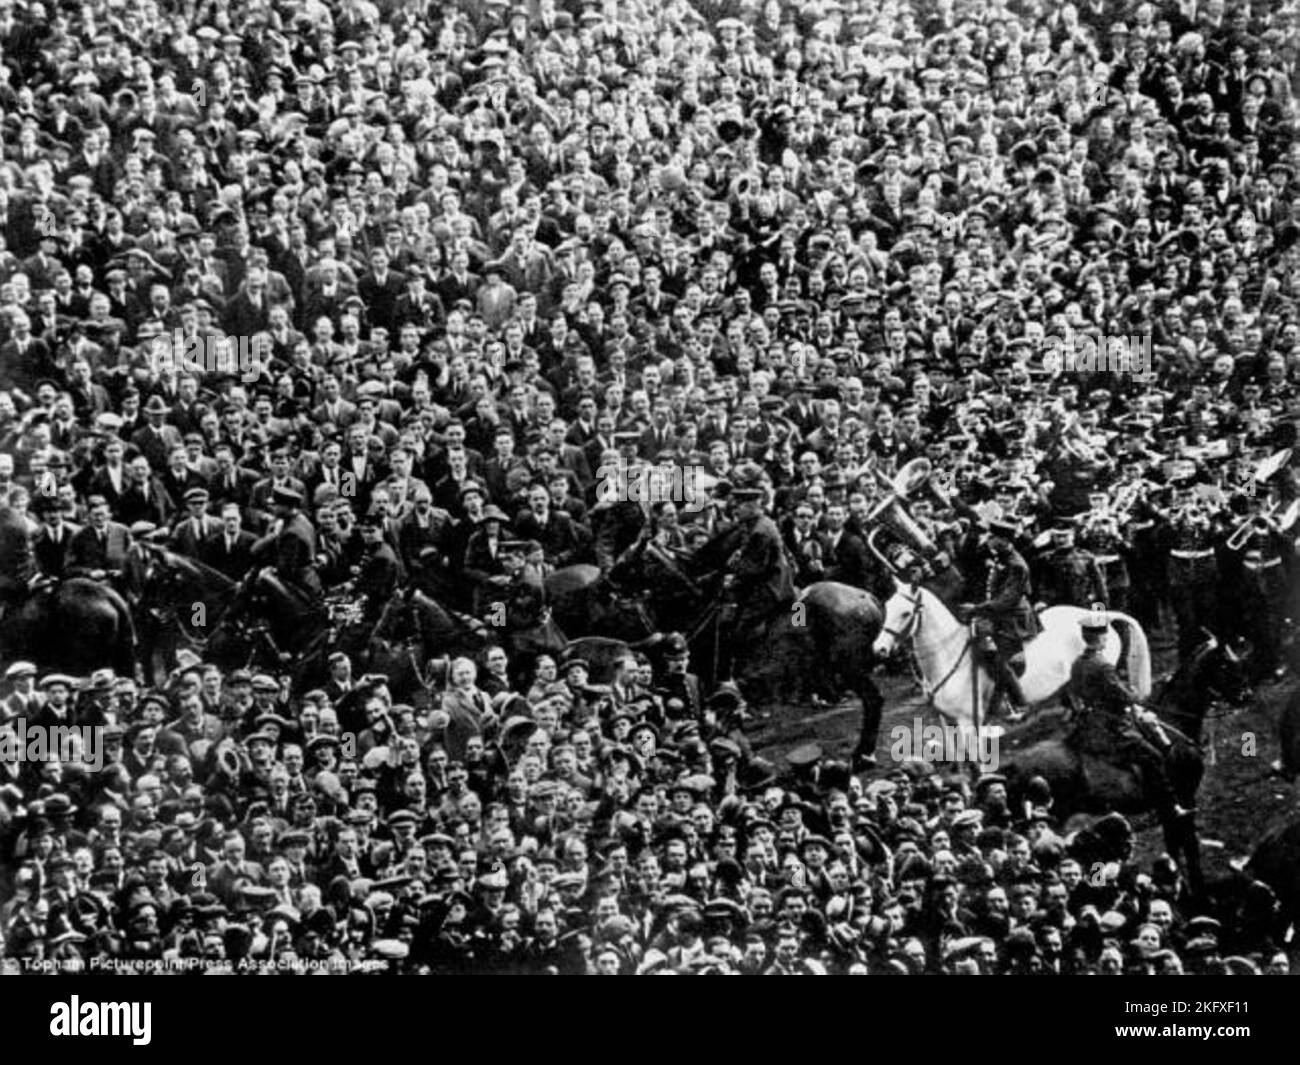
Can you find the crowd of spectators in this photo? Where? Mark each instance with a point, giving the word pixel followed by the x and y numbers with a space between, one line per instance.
pixel 476 247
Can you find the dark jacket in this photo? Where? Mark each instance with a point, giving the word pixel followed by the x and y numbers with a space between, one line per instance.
pixel 1006 605
pixel 759 565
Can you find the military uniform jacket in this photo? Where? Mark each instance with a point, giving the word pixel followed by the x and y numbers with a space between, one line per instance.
pixel 1096 688
pixel 1074 578
pixel 1006 602
pixel 295 553
pixel 378 579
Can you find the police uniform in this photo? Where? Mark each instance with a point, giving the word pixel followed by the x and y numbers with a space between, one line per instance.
pixel 1105 726
pixel 520 608
pixel 763 582
pixel 1005 619
pixel 380 574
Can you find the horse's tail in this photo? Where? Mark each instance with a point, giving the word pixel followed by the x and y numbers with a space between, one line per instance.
pixel 1137 659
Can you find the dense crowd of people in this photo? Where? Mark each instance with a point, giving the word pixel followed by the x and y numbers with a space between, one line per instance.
pixel 341 300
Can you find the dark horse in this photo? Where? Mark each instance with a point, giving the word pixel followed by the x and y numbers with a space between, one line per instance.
pixel 256 623
pixel 78 626
pixel 182 604
pixel 1084 783
pixel 818 645
pixel 582 604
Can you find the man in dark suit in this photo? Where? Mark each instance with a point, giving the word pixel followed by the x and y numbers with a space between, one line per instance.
pixel 425 527
pixel 362 470
pixel 143 499
pixel 843 551
pixel 333 409
pixel 230 483
pixel 178 478
pixel 458 283
pixel 553 529
pixel 805 546
pixel 417 305
pixel 156 440
pixel 249 311
pixel 99 549
pixel 111 479
pixel 381 287
pixel 658 435
pixel 260 500
pixel 50 545
pixel 230 548
pixel 193 531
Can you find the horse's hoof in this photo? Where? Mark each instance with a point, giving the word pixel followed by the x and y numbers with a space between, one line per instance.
pixel 864 761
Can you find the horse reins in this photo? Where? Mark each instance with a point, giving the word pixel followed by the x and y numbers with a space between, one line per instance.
pixel 909 633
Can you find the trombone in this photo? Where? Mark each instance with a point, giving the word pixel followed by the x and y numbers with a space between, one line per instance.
pixel 1263 522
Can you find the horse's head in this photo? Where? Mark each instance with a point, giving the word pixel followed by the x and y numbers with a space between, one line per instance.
pixel 902 619
pixel 153 573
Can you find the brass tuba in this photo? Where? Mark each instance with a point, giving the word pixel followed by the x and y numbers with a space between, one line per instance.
pixel 891 513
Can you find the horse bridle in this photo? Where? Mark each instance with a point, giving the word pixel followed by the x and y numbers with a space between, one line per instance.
pixel 909 631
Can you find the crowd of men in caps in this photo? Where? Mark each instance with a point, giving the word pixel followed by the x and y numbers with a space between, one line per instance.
pixel 490 249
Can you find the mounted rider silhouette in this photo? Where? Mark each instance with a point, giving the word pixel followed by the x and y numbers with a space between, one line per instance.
pixel 1004 620
pixel 1108 712
pixel 759 581
pixel 290 548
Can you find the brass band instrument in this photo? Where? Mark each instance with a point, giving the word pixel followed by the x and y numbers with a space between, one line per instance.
pixel 1255 521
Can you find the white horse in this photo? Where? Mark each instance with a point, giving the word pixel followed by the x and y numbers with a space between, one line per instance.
pixel 944 649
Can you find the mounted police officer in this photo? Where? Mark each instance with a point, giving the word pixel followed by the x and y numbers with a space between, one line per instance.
pixel 380 571
pixel 292 544
pixel 1004 619
pixel 1107 725
pixel 519 605
pixel 759 580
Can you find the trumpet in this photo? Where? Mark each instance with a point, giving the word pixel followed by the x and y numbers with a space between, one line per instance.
pixel 1127 496
pixel 1257 521
pixel 1193 512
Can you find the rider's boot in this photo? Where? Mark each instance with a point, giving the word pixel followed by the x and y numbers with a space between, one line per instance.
pixel 1159 789
pixel 1006 690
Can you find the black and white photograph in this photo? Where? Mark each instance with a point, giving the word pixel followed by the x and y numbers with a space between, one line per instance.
pixel 650 487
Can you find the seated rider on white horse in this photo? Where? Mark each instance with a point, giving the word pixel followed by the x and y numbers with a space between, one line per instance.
pixel 1005 619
